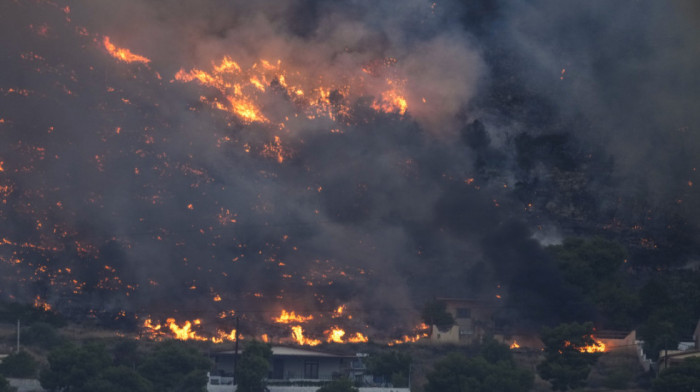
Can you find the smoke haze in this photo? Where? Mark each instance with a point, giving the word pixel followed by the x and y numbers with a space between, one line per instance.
pixel 124 189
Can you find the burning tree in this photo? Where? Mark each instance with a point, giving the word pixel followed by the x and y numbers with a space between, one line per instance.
pixel 570 352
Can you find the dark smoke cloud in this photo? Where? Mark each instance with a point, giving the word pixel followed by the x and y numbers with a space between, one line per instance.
pixel 394 210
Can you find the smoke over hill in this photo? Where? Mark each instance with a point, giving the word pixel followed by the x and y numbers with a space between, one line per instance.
pixel 247 158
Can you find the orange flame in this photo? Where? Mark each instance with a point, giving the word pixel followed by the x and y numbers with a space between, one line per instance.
pixel 123 54
pixel 291 317
pixel 422 330
pixel 298 336
pixel 39 303
pixel 242 88
pixel 514 345
pixel 597 346
pixel 335 335
pixel 391 102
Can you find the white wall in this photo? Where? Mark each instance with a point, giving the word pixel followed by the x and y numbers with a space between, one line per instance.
pixel 230 388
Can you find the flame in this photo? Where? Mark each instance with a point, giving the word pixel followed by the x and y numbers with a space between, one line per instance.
pixel 597 346
pixel 185 332
pixel 223 336
pixel 335 335
pixel 514 345
pixel 358 338
pixel 275 150
pixel 242 89
pixel 171 329
pixel 123 54
pixel 298 336
pixel 422 332
pixel 39 303
pixel 291 317
pixel 391 102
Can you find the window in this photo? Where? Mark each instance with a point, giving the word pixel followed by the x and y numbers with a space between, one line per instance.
pixel 464 313
pixel 311 370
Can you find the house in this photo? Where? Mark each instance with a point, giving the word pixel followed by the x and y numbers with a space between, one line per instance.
pixel 294 369
pixel 669 358
pixel 473 321
pixel 295 364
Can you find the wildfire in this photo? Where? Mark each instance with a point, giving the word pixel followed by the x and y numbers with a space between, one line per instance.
pixel 596 347
pixel 422 330
pixel 171 329
pixel 514 345
pixel 39 303
pixel 123 54
pixel 391 102
pixel 275 150
pixel 300 339
pixel 243 89
pixel 291 317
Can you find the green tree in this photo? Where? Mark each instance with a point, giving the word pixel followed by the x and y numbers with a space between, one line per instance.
pixel 681 378
pixel 119 379
pixel 19 365
pixel 435 313
pixel 174 366
pixel 253 366
pixel 340 385
pixel 71 367
pixel 669 309
pixel 566 365
pixel 391 365
pixel 5 385
pixel 126 353
pixel 593 266
pixel 456 373
pixel 496 352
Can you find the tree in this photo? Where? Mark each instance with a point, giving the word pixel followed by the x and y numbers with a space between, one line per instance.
pixel 5 385
pixel 71 367
pixel 119 379
pixel 340 385
pixel 392 366
pixel 496 352
pixel 253 367
pixel 435 313
pixel 175 366
pixel 593 266
pixel 126 353
pixel 681 378
pixel 566 363
pixel 456 373
pixel 19 365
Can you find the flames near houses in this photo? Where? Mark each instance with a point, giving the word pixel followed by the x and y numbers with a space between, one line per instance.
pixel 314 177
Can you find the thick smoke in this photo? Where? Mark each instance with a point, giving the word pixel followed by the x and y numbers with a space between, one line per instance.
pixel 124 191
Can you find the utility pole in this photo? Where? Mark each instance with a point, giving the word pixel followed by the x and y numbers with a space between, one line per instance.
pixel 235 355
pixel 17 335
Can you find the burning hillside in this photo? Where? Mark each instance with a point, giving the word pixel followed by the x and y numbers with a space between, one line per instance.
pixel 313 172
